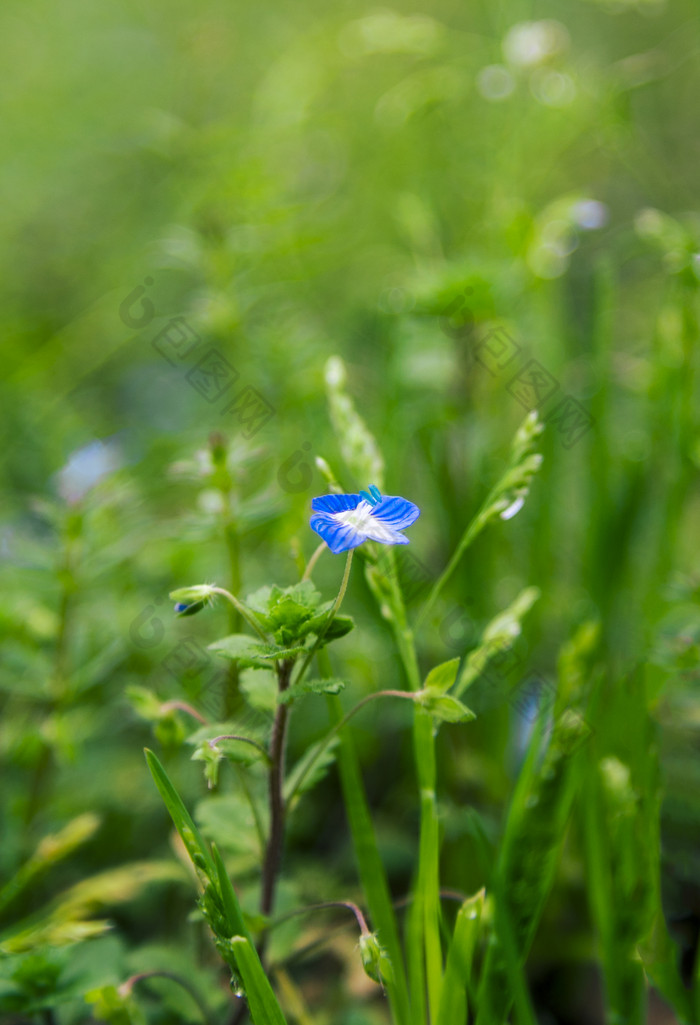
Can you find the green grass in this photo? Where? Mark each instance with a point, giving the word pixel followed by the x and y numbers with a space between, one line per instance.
pixel 307 182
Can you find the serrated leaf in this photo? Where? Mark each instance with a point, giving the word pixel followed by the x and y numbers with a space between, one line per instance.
pixel 251 653
pixel 310 769
pixel 340 626
pixel 286 610
pixel 442 677
pixel 330 686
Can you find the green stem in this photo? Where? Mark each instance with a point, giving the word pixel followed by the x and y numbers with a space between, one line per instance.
pixel 313 560
pixel 323 906
pixel 339 725
pixel 369 863
pixel 183 706
pixel 427 911
pixel 242 610
pixel 233 696
pixel 331 616
pixel 275 843
pixel 469 535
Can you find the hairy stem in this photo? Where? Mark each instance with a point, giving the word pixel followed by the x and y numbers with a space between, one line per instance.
pixel 331 616
pixel 275 843
pixel 241 610
pixel 183 706
pixel 323 906
pixel 313 560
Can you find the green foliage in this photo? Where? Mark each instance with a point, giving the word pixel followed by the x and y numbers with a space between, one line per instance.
pixel 478 219
pixel 247 652
pixel 321 686
pixel 460 955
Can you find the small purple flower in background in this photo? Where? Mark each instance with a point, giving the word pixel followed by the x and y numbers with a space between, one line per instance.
pixel 345 521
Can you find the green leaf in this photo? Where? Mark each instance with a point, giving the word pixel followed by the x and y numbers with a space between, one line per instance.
pixel 369 863
pixel 331 686
pixel 264 1008
pixel 286 611
pixel 441 678
pixel 309 777
pixel 444 707
pixel 339 626
pixel 252 653
pixel 453 1000
pixel 661 959
pixel 260 690
pixel 523 877
pixel 231 906
pixel 191 837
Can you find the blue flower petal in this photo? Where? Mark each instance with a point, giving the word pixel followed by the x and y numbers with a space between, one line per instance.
pixel 335 503
pixel 396 512
pixel 338 536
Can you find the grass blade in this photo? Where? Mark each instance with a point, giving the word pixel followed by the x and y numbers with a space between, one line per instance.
pixel 182 820
pixel 264 1008
pixel 524 874
pixel 453 1001
pixel 370 867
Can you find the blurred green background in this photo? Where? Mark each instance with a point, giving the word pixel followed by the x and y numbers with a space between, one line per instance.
pixel 294 181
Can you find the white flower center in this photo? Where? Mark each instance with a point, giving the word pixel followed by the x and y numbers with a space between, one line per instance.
pixel 362 521
pixel 359 519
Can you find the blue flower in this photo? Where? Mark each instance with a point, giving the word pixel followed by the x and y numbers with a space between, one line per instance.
pixel 345 521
